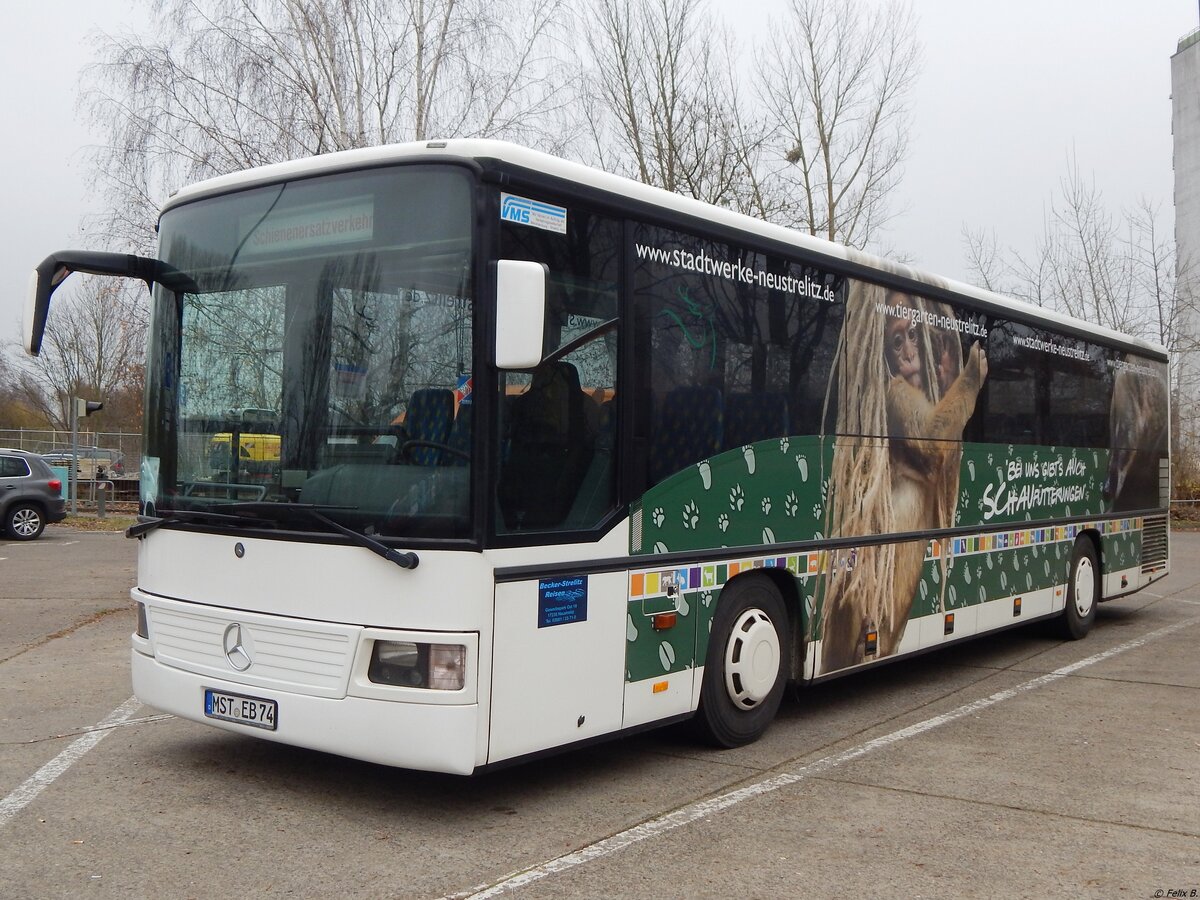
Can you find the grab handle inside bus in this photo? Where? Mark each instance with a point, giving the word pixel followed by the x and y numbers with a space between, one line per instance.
pixel 520 313
pixel 54 269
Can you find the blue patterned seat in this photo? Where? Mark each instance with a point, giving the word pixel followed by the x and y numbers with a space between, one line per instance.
pixel 460 436
pixel 430 413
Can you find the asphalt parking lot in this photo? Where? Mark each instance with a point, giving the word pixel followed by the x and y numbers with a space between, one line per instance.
pixel 1014 766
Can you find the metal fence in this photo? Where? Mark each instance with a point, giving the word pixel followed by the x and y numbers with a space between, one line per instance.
pixel 127 445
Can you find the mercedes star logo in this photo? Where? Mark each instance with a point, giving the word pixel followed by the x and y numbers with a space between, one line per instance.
pixel 237 647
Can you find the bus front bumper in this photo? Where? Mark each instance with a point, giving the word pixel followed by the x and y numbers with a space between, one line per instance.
pixel 433 738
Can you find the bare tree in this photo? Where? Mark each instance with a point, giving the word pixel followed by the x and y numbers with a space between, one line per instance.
pixel 835 81
pixel 92 349
pixel 1116 270
pixel 661 100
pixel 1169 285
pixel 985 260
pixel 229 84
pixel 1171 290
pixel 15 410
pixel 1093 266
pixel 215 86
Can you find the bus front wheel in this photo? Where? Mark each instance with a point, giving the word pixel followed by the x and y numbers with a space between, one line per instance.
pixel 1083 592
pixel 745 670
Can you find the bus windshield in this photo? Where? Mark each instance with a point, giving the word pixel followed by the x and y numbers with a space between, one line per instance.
pixel 327 356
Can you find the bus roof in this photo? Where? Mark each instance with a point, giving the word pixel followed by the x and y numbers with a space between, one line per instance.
pixel 619 186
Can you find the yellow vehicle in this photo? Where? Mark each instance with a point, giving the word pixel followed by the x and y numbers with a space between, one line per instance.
pixel 258 454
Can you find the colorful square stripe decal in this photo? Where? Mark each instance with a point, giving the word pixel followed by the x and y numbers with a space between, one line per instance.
pixel 1028 537
pixel 653 582
pixel 650 583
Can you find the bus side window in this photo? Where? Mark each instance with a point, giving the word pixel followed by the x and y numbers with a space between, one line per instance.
pixel 557 426
pixel 551 444
pixel 690 428
pixel 753 417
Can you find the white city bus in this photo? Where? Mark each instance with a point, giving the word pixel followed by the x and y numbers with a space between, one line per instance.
pixel 533 455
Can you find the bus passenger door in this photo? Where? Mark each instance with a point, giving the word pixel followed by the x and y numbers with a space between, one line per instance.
pixel 558 662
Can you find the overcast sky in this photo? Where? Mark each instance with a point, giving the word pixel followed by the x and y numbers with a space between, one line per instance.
pixel 1008 92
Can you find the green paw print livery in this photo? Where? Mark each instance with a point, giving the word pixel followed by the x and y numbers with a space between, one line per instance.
pixel 960 572
pixel 692 593
pixel 775 491
pixel 767 492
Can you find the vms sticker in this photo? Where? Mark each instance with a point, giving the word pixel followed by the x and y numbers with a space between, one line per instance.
pixel 524 211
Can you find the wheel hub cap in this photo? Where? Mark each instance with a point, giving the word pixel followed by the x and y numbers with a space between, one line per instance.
pixel 752 659
pixel 1085 587
pixel 25 522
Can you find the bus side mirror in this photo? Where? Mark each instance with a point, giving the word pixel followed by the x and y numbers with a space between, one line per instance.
pixel 42 283
pixel 54 269
pixel 520 313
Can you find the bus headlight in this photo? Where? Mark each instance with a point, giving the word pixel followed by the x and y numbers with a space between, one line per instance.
pixel 438 667
pixel 143 627
pixel 447 667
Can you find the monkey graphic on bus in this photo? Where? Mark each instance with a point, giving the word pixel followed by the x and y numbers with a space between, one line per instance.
pixel 906 391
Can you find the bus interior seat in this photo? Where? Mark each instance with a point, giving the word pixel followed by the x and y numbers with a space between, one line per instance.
pixel 690 428
pixel 551 444
pixel 429 417
pixel 755 417
pixel 596 493
pixel 460 437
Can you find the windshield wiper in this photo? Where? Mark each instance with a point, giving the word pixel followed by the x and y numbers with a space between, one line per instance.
pixel 276 511
pixel 178 517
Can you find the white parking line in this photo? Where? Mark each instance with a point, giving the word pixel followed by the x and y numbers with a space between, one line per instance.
pixel 688 814
pixel 47 774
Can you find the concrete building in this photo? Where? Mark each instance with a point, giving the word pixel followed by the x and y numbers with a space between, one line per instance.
pixel 1185 130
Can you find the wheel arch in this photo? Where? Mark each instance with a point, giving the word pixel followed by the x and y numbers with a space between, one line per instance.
pixel 1093 536
pixel 13 502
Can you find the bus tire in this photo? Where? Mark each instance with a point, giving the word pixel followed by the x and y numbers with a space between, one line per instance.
pixel 746 668
pixel 1083 592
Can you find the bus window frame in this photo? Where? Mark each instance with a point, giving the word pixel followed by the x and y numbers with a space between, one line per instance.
pixel 552 192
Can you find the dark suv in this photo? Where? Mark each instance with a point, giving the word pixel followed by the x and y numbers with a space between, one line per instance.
pixel 29 495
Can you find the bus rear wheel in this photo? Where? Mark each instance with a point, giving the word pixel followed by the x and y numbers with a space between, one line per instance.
pixel 745 670
pixel 1083 592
